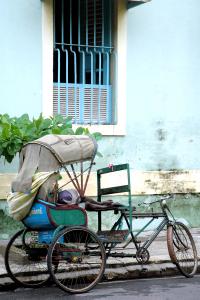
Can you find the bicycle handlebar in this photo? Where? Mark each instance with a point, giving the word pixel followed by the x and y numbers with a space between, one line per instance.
pixel 170 196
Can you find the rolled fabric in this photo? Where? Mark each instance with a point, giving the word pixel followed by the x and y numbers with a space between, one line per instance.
pixel 19 204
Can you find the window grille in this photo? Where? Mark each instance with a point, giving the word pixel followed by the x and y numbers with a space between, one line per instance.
pixel 84 60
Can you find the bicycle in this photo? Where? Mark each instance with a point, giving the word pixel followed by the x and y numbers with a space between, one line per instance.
pixel 180 243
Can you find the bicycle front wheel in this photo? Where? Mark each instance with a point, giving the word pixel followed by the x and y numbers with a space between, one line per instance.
pixel 182 249
pixel 79 257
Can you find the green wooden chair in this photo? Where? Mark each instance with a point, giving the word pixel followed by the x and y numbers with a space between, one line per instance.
pixel 125 210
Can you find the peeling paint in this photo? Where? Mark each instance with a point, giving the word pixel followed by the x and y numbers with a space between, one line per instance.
pixel 161 134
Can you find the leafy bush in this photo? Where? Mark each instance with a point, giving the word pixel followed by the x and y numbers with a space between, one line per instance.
pixel 15 132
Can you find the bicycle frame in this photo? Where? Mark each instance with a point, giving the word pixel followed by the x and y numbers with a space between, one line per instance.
pixel 164 222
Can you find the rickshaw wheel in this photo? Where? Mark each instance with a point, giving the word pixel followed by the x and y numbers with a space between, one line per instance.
pixel 25 259
pixel 80 257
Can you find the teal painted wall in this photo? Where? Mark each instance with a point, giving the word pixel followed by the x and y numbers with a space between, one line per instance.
pixel 163 73
pixel 163 88
pixel 20 57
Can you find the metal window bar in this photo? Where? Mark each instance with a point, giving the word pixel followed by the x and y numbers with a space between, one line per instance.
pixel 83 59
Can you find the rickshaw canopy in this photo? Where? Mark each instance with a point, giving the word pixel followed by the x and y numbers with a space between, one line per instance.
pixel 68 148
pixel 49 153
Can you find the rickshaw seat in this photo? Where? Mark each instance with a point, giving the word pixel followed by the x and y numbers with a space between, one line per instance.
pixel 44 215
pixel 116 207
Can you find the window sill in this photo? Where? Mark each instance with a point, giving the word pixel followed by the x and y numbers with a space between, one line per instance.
pixel 105 130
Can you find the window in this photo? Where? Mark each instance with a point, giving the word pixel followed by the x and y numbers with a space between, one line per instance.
pixel 84 61
pixel 117 68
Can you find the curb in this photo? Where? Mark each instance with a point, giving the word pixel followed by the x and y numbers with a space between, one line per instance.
pixel 133 271
pixel 123 271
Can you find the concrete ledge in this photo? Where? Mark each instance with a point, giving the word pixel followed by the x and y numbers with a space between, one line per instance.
pixel 142 182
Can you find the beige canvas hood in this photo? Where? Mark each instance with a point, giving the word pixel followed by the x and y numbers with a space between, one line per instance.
pixel 69 148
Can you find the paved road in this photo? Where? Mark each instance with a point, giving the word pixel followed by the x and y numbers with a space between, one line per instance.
pixel 171 288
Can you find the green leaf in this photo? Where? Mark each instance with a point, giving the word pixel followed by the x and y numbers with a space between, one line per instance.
pixel 44 125
pixel 5 131
pixel 67 131
pixel 38 122
pixel 86 131
pixel 97 135
pixel 58 119
pixel 80 130
pixel 5 144
pixel 23 119
pixel 45 132
pixel 56 130
pixel 5 119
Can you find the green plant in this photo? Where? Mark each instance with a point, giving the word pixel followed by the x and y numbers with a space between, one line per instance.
pixel 15 132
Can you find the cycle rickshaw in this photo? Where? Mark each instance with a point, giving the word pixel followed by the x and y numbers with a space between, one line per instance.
pixel 56 242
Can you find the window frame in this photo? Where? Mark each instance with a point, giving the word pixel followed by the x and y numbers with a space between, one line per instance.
pixel 121 84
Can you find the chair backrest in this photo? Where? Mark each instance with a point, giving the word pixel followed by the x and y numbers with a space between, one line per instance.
pixel 113 189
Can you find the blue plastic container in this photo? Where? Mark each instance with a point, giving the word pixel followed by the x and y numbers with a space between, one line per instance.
pixel 38 217
pixel 47 216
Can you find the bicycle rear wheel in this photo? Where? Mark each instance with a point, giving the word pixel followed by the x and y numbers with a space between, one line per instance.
pixel 182 249
pixel 79 257
pixel 25 259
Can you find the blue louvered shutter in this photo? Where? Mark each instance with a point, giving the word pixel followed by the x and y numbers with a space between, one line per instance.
pixel 84 59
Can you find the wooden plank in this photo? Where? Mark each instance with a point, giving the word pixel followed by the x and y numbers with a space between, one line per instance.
pixel 113 168
pixel 114 190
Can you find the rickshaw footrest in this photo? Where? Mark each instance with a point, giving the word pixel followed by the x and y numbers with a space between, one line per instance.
pixel 113 236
